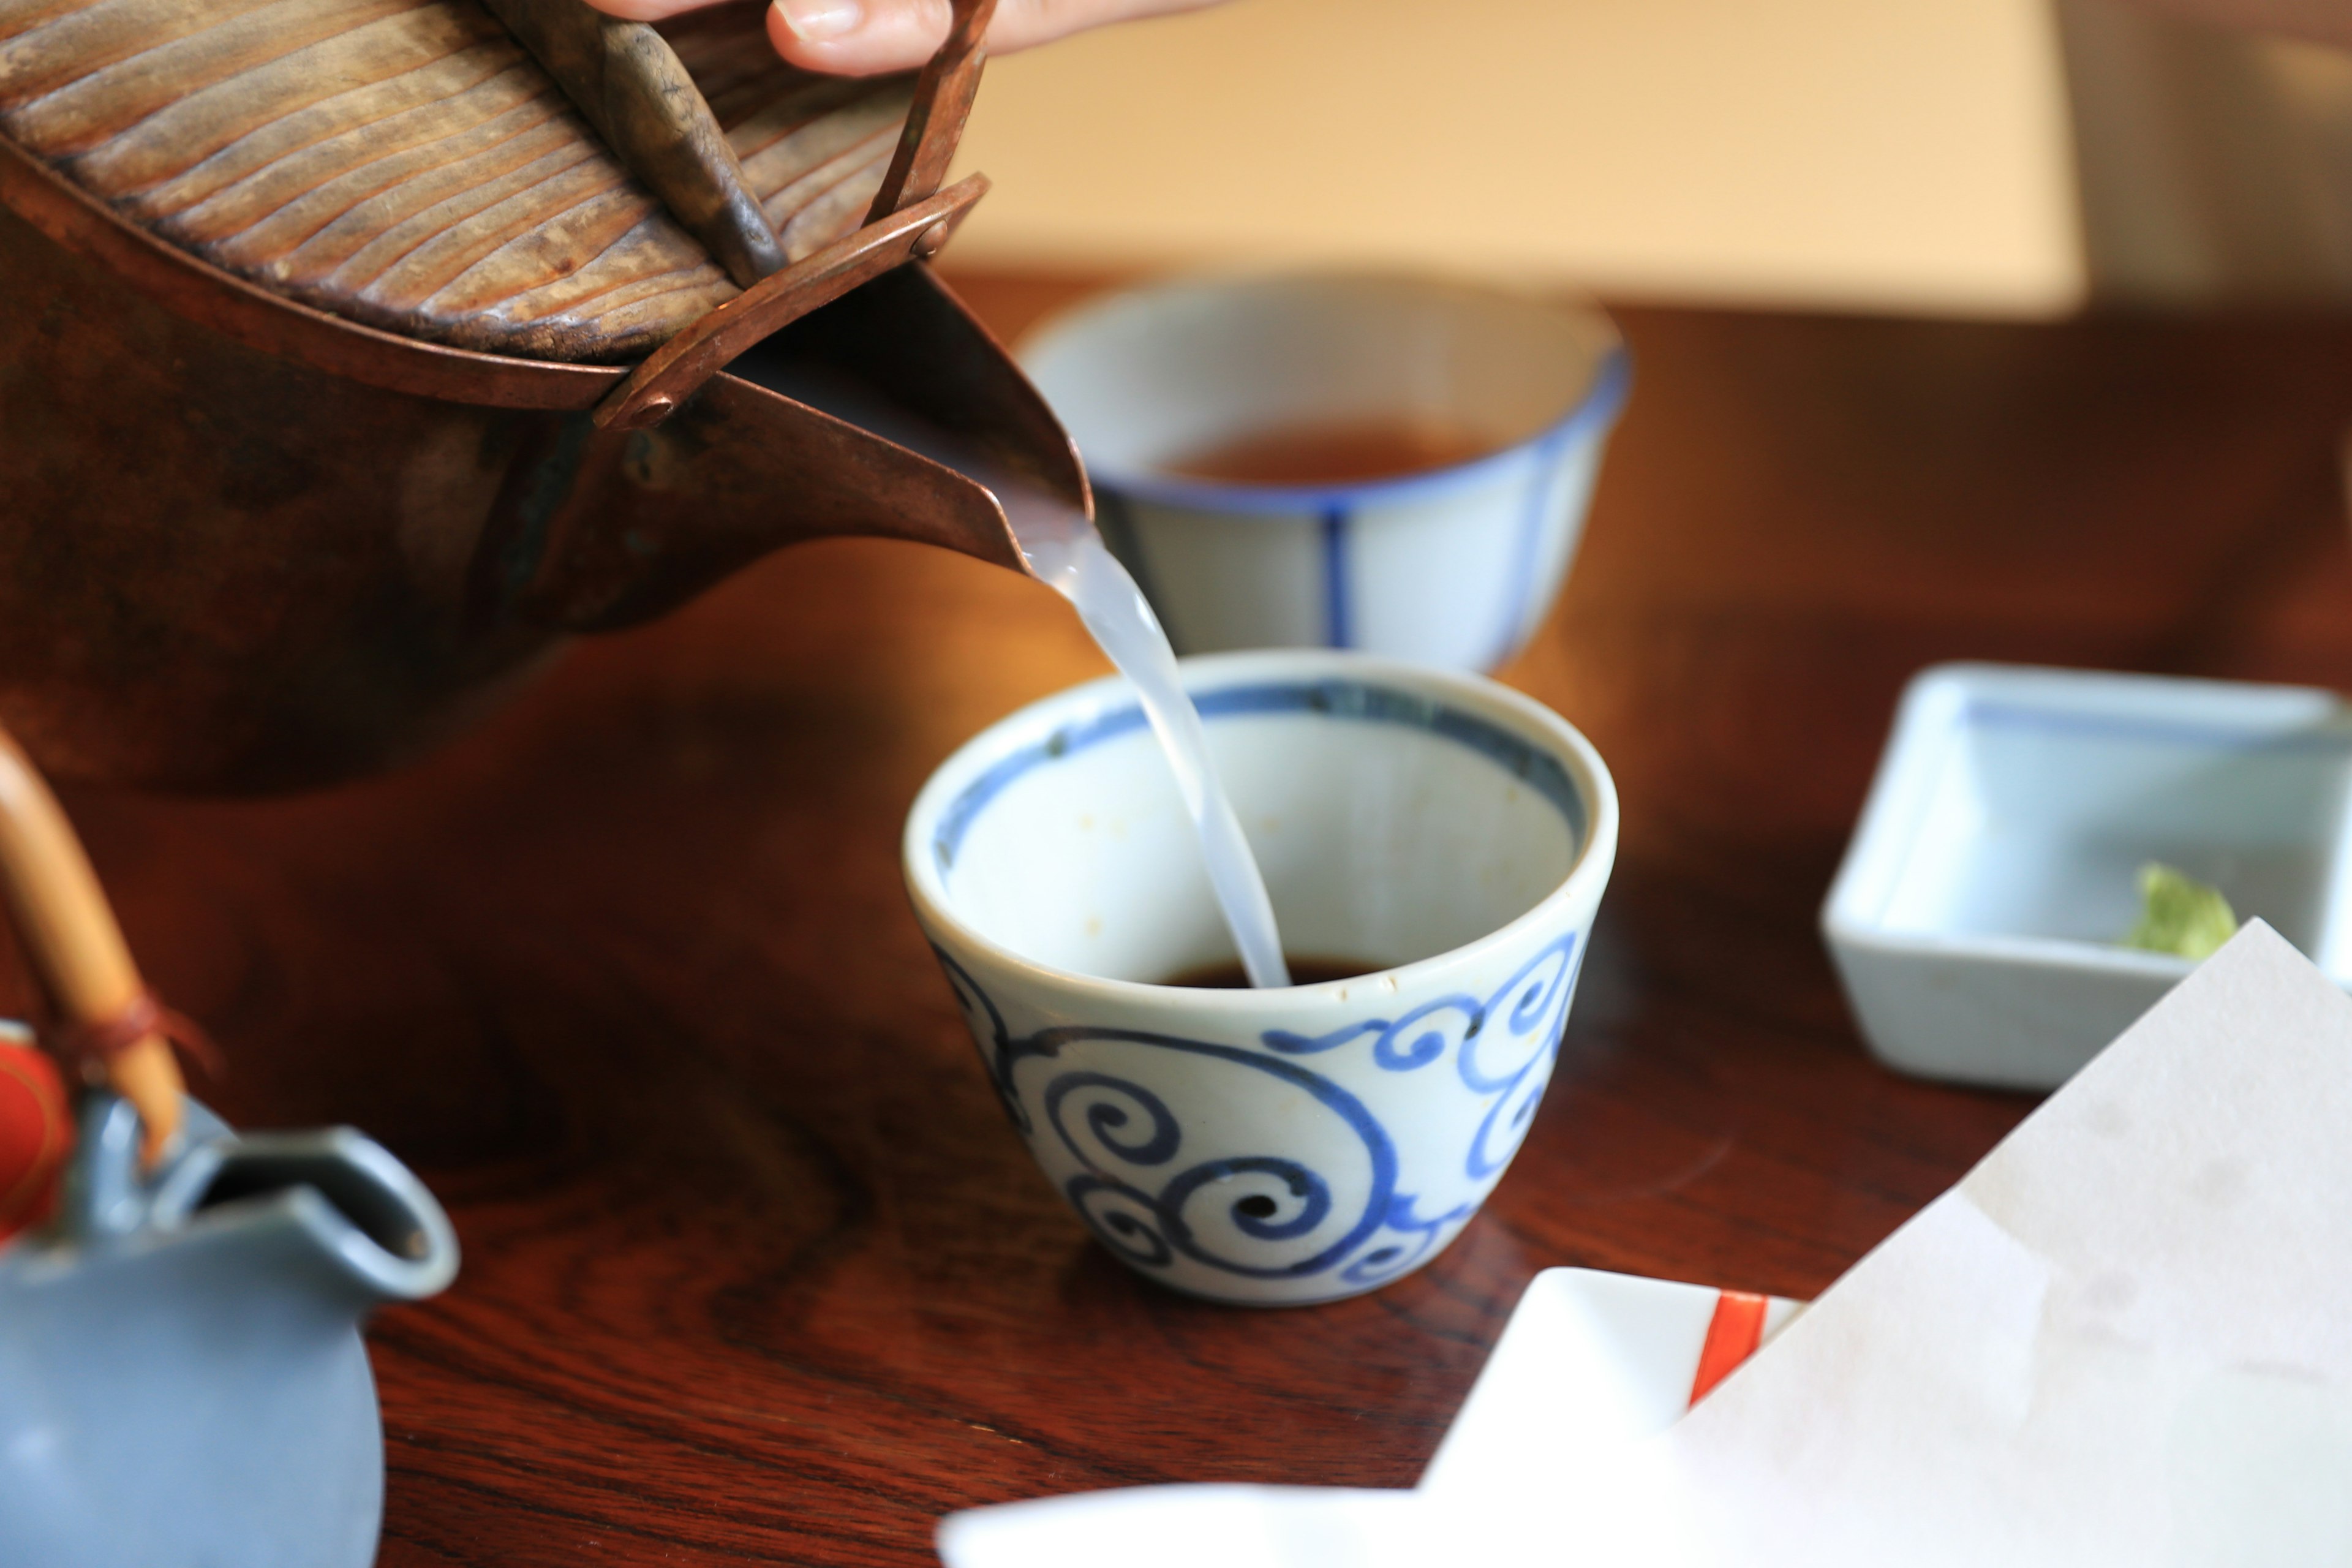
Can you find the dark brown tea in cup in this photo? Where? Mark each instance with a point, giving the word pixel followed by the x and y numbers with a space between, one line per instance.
pixel 1228 975
pixel 1333 454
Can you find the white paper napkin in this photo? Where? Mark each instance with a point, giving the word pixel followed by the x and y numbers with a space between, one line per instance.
pixel 2125 1338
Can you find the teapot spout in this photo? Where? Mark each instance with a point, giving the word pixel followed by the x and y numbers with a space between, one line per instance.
pixel 891 412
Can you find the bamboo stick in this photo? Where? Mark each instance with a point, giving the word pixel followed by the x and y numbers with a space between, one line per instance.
pixel 76 949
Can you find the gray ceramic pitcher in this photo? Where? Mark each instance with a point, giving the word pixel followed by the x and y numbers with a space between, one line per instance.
pixel 182 1381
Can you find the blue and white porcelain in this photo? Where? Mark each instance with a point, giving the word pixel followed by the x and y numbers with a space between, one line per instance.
pixel 1280 1146
pixel 1975 922
pixel 1453 567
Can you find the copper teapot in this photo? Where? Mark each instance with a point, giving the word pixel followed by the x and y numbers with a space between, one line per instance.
pixel 354 353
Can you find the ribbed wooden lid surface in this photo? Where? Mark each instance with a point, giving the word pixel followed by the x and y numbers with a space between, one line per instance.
pixel 405 163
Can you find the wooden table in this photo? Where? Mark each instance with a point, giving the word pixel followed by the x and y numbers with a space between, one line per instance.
pixel 755 1272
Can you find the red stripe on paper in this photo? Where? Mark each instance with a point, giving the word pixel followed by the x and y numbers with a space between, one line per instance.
pixel 1732 1336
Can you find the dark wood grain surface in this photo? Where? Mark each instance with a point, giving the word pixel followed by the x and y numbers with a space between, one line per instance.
pixel 756 1273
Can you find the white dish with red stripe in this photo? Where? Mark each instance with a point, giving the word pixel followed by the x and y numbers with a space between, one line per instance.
pixel 1590 1361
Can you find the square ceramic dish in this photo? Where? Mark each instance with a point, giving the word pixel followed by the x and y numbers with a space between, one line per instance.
pixel 1589 1362
pixel 1975 920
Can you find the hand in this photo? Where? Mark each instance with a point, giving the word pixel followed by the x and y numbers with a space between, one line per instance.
pixel 861 37
pixel 2321 21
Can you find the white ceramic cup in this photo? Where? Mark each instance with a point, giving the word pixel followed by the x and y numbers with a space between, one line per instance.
pixel 1279 1146
pixel 1453 567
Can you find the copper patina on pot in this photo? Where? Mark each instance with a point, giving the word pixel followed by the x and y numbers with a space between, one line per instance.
pixel 356 352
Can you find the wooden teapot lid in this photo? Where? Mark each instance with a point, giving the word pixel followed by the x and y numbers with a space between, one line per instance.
pixel 407 164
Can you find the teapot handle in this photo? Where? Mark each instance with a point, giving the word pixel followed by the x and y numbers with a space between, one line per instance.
pixel 911 220
pixel 943 95
pixel 631 86
pixel 77 951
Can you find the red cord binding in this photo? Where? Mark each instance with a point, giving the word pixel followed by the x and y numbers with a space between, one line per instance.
pixel 103 1039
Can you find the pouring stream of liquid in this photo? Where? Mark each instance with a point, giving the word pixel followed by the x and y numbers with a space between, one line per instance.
pixel 1066 551
pixel 1077 566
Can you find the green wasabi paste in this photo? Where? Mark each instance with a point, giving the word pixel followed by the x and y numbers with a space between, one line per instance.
pixel 2180 914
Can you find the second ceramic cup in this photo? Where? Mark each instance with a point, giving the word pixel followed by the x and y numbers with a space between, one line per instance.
pixel 1448 837
pixel 1453 564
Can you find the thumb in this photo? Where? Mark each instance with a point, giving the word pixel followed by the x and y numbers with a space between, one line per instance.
pixel 860 37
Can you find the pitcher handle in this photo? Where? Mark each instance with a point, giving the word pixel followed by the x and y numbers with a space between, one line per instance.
pixel 77 954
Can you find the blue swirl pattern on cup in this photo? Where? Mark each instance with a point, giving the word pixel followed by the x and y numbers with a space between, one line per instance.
pixel 1263 1215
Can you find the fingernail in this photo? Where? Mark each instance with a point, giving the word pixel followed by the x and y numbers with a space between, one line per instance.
pixel 815 21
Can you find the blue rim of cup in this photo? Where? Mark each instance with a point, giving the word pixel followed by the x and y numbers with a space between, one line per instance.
pixel 1074 707
pixel 1333 695
pixel 1602 400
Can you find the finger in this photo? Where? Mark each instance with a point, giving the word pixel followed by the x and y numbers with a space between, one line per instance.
pixel 648 10
pixel 2320 21
pixel 860 38
pixel 857 37
pixel 1023 24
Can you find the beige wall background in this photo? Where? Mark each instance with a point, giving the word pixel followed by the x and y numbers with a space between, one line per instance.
pixel 1913 155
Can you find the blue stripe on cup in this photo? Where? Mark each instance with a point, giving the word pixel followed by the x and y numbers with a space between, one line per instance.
pixel 1535 507
pixel 1339 630
pixel 1343 699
